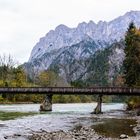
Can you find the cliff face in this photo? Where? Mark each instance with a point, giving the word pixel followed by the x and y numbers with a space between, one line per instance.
pixel 85 52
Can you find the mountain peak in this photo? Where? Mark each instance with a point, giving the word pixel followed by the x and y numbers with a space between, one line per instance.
pixel 82 24
pixel 61 27
pixel 103 31
pixel 133 12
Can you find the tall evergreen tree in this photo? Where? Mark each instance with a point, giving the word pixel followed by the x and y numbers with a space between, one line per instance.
pixel 132 58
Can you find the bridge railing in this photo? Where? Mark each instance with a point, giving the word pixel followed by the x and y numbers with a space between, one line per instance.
pixel 72 90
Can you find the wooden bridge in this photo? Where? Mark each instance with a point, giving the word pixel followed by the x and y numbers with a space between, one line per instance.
pixel 49 91
pixel 72 90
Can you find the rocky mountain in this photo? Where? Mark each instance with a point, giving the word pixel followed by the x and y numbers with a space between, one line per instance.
pixel 88 52
pixel 100 68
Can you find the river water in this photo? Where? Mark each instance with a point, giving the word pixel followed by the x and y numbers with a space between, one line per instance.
pixel 64 117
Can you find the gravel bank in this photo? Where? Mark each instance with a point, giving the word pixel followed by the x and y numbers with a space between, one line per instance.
pixel 85 133
pixel 137 127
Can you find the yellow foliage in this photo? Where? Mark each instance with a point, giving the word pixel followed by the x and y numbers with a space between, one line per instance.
pixel 137 32
pixel 47 78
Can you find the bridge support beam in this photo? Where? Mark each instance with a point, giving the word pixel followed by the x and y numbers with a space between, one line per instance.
pixel 98 109
pixel 47 104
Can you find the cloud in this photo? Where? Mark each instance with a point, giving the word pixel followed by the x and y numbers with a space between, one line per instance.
pixel 23 22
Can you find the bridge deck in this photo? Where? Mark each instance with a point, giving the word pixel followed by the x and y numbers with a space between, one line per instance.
pixel 74 91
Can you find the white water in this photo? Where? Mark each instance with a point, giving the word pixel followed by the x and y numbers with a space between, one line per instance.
pixel 63 116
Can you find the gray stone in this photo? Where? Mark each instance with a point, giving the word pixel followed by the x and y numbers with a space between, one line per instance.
pixel 83 138
pixel 123 136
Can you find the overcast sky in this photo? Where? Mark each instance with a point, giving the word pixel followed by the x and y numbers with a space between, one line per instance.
pixel 23 22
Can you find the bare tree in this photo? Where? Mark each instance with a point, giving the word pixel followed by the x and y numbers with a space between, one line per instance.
pixel 8 61
pixel 6 64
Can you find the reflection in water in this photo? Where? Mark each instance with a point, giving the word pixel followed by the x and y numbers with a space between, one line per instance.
pixel 115 127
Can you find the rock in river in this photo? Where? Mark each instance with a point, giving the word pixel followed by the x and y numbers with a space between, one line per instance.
pixel 123 136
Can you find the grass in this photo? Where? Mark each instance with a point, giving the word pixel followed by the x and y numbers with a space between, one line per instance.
pixel 13 115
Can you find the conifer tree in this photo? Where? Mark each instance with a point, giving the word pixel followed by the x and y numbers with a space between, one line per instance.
pixel 132 58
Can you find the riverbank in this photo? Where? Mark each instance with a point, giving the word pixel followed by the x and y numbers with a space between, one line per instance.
pixel 68 121
pixel 14 115
pixel 136 129
pixel 84 133
pixel 16 103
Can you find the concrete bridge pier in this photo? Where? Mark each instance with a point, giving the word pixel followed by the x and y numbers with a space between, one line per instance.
pixel 47 104
pixel 98 109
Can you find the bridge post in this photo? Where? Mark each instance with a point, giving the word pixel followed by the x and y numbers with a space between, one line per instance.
pixel 47 104
pixel 98 109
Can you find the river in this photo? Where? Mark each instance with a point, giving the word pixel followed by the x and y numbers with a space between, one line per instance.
pixel 66 117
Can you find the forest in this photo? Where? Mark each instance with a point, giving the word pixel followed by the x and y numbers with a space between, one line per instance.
pixel 12 75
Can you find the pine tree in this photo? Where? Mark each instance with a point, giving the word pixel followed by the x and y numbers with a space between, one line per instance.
pixel 132 58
